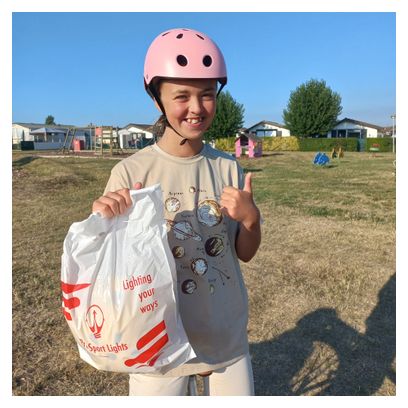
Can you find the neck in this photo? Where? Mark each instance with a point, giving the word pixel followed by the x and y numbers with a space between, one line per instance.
pixel 170 143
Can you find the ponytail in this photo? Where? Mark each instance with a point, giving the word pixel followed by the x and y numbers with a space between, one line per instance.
pixel 160 126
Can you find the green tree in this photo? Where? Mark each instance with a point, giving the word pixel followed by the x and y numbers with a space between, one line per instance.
pixel 49 120
pixel 312 109
pixel 228 118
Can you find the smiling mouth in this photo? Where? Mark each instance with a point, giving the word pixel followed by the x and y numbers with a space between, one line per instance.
pixel 194 121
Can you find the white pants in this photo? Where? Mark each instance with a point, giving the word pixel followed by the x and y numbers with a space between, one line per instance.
pixel 236 379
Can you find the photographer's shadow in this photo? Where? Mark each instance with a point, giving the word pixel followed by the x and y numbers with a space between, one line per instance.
pixel 350 363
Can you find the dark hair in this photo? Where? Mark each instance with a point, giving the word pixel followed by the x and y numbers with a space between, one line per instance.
pixel 160 126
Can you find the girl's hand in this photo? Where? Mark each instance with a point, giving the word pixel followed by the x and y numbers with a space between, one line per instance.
pixel 115 203
pixel 239 204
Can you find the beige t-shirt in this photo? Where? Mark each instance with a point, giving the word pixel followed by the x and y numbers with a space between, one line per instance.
pixel 212 296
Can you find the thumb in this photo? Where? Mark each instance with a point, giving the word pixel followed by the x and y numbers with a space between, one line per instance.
pixel 248 183
pixel 137 186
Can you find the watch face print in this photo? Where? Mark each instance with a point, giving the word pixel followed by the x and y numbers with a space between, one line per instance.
pixel 209 213
pixel 214 246
pixel 183 230
pixel 178 251
pixel 199 266
pixel 188 286
pixel 172 204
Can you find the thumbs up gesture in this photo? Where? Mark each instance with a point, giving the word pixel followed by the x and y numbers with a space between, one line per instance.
pixel 239 204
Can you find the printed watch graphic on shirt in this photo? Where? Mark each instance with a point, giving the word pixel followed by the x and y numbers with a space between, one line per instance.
pixel 208 214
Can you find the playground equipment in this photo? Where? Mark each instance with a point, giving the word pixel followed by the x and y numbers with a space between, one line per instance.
pixel 107 140
pixel 245 143
pixel 321 159
pixel 337 152
pixel 375 148
pixel 76 139
pixel 67 146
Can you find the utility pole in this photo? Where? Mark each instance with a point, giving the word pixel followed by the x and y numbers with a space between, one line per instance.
pixel 393 131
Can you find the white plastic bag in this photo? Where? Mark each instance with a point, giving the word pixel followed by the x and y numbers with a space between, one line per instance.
pixel 119 296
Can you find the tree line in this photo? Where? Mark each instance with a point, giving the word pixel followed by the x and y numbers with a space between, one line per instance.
pixel 312 110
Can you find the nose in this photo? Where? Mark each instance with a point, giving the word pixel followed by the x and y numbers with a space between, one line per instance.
pixel 196 105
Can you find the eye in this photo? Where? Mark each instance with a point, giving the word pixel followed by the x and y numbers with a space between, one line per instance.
pixel 181 97
pixel 209 96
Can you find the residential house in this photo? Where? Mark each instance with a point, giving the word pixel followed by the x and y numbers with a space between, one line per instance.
pixel 22 132
pixel 136 135
pixel 266 128
pixel 354 128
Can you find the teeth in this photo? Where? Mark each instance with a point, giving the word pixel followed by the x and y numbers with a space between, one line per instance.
pixel 193 121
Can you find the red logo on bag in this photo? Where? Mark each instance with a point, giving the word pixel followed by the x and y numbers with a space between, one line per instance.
pixel 72 302
pixel 95 320
pixel 150 355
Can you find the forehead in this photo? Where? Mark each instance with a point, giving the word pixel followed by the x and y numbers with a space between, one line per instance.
pixel 174 85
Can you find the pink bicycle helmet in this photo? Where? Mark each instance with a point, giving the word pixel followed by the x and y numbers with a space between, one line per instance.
pixel 184 53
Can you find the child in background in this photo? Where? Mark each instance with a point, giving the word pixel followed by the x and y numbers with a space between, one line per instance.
pixel 210 212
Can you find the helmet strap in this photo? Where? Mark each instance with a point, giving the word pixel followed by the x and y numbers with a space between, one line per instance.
pixel 153 92
pixel 156 97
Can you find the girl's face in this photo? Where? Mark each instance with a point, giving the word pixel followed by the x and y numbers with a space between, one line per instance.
pixel 189 105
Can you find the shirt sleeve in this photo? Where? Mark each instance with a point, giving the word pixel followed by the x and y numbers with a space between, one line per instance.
pixel 117 180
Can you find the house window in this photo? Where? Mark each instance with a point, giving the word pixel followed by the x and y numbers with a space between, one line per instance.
pixel 265 132
pixel 354 133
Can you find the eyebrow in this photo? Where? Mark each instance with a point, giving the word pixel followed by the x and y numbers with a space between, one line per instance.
pixel 185 91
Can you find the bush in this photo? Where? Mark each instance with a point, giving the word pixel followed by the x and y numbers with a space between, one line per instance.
pixel 225 143
pixel 326 145
pixel 287 143
pixel 384 144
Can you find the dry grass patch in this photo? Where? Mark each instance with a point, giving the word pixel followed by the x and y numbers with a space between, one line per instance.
pixel 321 288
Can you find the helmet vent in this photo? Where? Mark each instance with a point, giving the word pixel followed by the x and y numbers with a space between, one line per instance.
pixel 199 36
pixel 179 36
pixel 207 61
pixel 182 60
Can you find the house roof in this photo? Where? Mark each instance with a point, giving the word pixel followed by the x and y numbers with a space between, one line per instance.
pixel 139 126
pixel 359 122
pixel 40 125
pixel 248 136
pixel 267 122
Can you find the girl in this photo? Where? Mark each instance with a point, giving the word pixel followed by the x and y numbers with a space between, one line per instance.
pixel 211 215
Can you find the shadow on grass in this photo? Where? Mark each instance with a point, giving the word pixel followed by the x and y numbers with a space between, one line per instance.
pixel 250 170
pixel 23 161
pixel 357 364
pixel 327 166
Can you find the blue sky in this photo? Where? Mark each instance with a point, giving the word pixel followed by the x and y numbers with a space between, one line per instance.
pixel 88 67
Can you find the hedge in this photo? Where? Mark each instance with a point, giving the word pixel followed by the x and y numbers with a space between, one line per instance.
pixel 293 143
pixel 327 144
pixel 384 144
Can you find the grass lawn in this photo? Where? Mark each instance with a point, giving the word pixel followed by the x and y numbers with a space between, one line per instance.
pixel 321 288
